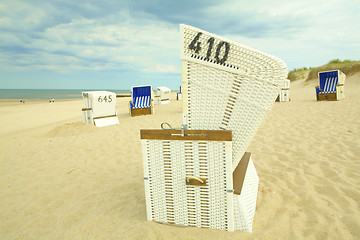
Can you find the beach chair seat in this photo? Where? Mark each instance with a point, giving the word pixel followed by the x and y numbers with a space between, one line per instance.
pixel 141 103
pixel 331 85
pixel 189 180
pixel 100 108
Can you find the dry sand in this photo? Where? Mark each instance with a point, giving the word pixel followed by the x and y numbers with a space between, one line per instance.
pixel 63 179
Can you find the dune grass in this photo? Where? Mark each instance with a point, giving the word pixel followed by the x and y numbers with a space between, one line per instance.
pixel 348 67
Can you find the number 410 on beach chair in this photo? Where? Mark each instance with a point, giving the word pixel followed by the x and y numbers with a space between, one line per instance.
pixel 141 103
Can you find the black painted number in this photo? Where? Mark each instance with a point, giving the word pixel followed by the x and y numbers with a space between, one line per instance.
pixel 196 46
pixel 211 43
pixel 107 99
pixel 227 48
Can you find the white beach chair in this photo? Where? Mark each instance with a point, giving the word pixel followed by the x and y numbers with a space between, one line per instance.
pixel 162 95
pixel 284 95
pixel 100 108
pixel 331 85
pixel 202 176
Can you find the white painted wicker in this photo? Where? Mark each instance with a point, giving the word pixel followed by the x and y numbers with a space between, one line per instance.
pixel 167 164
pixel 230 87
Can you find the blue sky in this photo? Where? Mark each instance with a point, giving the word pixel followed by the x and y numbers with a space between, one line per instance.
pixel 116 44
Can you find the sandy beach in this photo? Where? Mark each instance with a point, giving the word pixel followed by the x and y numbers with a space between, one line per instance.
pixel 64 179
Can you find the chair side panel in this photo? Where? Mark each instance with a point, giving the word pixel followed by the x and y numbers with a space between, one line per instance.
pixel 245 203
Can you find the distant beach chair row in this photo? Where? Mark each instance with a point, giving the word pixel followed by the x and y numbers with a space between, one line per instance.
pixel 100 106
pixel 331 87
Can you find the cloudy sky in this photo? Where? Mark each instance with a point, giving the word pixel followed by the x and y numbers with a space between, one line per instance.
pixel 116 44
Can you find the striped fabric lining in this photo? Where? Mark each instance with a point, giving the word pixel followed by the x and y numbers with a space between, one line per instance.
pixel 330 85
pixel 142 102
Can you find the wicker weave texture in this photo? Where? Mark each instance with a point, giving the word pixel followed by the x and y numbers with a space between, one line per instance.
pixel 236 103
pixel 234 95
pixel 240 57
pixel 169 199
pixel 245 204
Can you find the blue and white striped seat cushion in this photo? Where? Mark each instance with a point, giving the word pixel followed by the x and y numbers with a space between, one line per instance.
pixel 330 85
pixel 142 102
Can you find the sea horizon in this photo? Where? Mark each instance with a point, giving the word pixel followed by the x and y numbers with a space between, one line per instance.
pixel 13 93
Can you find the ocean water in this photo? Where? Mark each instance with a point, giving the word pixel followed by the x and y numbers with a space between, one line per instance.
pixel 47 93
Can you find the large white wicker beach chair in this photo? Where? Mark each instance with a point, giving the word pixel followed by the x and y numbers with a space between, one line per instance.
pixel 100 108
pixel 331 85
pixel 202 176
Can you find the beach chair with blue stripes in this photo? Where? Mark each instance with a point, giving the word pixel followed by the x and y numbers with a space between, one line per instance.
pixel 141 103
pixel 331 85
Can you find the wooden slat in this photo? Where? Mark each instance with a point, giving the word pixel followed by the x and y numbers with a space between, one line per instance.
pixel 104 117
pixel 205 135
pixel 239 173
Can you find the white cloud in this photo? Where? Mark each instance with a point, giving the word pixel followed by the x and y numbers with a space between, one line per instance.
pixel 142 37
pixel 302 33
pixel 114 42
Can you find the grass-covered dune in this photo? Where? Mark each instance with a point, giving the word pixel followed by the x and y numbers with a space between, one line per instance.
pixel 348 67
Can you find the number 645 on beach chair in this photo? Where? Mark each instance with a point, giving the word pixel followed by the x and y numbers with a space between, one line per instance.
pixel 100 108
pixel 141 103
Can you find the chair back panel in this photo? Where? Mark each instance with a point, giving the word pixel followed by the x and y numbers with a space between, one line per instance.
pixel 141 96
pixel 328 81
